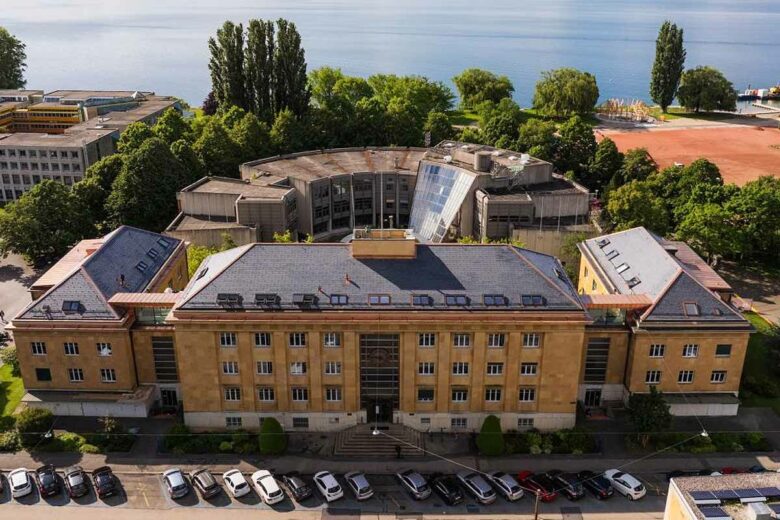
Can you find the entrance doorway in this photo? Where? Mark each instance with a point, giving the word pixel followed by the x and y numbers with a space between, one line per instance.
pixel 379 379
pixel 168 397
pixel 593 397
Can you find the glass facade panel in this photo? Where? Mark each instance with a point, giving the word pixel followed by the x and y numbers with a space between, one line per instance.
pixel 439 194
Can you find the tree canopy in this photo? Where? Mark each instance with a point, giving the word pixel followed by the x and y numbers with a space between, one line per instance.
pixel 635 204
pixel 706 88
pixel 649 414
pixel 668 65
pixel 12 61
pixel 566 92
pixel 478 85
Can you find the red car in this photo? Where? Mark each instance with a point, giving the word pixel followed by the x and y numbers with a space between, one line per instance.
pixel 538 483
pixel 728 470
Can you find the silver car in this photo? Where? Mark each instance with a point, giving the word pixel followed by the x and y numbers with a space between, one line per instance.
pixel 477 486
pixel 414 483
pixel 175 483
pixel 506 485
pixel 358 483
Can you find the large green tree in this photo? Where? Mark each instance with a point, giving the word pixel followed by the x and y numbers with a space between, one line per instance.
pixel 538 138
pixel 217 150
pixel 637 166
pixel 635 204
pixel 576 147
pixel 133 136
pixel 425 95
pixel 668 65
pixel 709 229
pixel 478 85
pixel 565 92
pixel 289 65
pixel 706 88
pixel 439 127
pixel 606 162
pixel 226 65
pixel 288 133
pixel 43 224
pixel 649 413
pixel 259 60
pixel 171 126
pixel 252 137
pixel 193 166
pixel 755 210
pixel 12 61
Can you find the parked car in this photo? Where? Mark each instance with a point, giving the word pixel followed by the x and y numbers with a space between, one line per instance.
pixel 538 483
pixel 729 470
pixel 328 486
pixel 447 488
pixel 75 482
pixel 625 484
pixel 175 483
pixel 236 483
pixel 20 482
pixel 48 483
pixel 758 468
pixel 296 487
pixel 205 483
pixel 106 483
pixel 506 485
pixel 567 484
pixel 477 486
pixel 358 483
pixel 414 484
pixel 267 487
pixel 596 483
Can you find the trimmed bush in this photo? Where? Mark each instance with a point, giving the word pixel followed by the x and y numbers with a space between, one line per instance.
pixel 89 448
pixel 490 441
pixel 32 424
pixel 273 440
pixel 9 441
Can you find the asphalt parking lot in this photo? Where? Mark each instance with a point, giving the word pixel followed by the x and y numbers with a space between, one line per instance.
pixel 147 491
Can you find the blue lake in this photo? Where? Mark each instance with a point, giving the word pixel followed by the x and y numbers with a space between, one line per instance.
pixel 161 44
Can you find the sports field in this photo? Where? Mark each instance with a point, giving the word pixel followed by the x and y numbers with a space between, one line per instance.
pixel 742 153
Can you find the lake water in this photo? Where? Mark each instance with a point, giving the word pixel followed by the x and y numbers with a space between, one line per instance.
pixel 161 44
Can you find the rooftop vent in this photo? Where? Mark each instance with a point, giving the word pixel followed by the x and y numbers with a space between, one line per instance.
pixel 633 282
pixel 229 300
pixel 266 299
pixel 448 159
pixel 202 273
pixel 142 266
pixel 304 299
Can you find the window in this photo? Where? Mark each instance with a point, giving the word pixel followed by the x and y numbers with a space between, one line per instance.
pixel 230 368
pixel 339 299
pixel 297 339
pixel 332 368
pixel 657 350
pixel 459 422
pixel 233 422
pixel 262 339
pixel 232 393
pixel 691 309
pixel 104 349
pixel 266 393
pixel 38 348
pixel 496 340
pixel 427 339
pixel 71 349
pixel 425 394
pixel 265 368
pixel 331 339
pixel 718 376
pixel 455 299
pixel 532 340
pixel 720 351
pixel 593 285
pixel 300 422
pixel 43 374
pixel 425 421
pixel 525 423
pixel 460 368
pixel 461 339
pixel 333 393
pixel 108 375
pixel 460 395
pixel 653 377
pixel 75 375
pixel 425 368
pixel 622 268
pixel 494 299
pixel 691 350
pixel 492 394
pixel 300 393
pixel 685 376
pixel 227 339
pixel 528 369
pixel 527 394
pixel 379 299
pixel 421 299
pixel 298 368
pixel 495 369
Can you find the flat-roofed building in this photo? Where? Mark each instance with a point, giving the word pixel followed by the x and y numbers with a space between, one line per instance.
pixel 742 496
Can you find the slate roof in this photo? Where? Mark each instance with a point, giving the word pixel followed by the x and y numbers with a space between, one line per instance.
pixel 96 279
pixel 437 271
pixel 669 306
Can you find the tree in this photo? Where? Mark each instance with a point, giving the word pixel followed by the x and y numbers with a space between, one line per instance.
pixel 193 167
pixel 501 125
pixel 12 61
pixel 576 147
pixel 537 137
pixel 291 90
pixel 706 88
pixel 150 178
pixel 226 66
pixel 668 65
pixel 634 204
pixel 283 238
pixel 272 439
pixel 477 85
pixel 43 224
pixel 709 230
pixel 322 84
pixel 252 137
pixel 606 162
pixel 133 136
pixel 171 126
pixel 8 356
pixel 490 440
pixel 637 166
pixel 648 413
pixel 210 104
pixel 755 211
pixel 403 125
pixel 438 124
pixel 90 199
pixel 570 254
pixel 33 424
pixel 259 60
pixel 287 133
pixel 566 92
pixel 217 151
pixel 196 255
pixel 106 170
pixel 425 95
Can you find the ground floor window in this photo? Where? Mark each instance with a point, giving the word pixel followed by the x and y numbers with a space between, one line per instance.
pixel 525 423
pixel 233 422
pixel 459 422
pixel 300 422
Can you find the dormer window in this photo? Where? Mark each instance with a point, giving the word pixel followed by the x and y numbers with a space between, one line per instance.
pixel 305 299
pixel 495 300
pixel 71 306
pixel 421 300
pixel 456 299
pixel 339 299
pixel 379 299
pixel 691 309
pixel 229 300
pixel 533 300
pixel 266 299
pixel 142 266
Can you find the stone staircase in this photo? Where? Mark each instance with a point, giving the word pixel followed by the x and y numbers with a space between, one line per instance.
pixel 360 442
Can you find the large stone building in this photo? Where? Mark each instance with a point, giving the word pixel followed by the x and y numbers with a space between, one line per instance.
pixel 60 134
pixel 384 328
pixel 451 190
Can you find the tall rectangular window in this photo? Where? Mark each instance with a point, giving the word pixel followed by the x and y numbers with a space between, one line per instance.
pixel 262 339
pixel 493 394
pixel 108 375
pixel 297 339
pixel 230 368
pixel 426 368
pixel 104 349
pixel 425 394
pixel 71 349
pixel 458 423
pixel 298 368
pixel 596 360
pixel 232 393
pixel 691 350
pixel 653 377
pixel 300 393
pixel 528 369
pixel 723 351
pixel 527 394
pixel 460 368
pixel 43 374
pixel 331 339
pixel 332 368
pixel 461 339
pixel 38 348
pixel 427 339
pixel 265 368
pixel 460 395
pixel 495 369
pixel 496 340
pixel 227 339
pixel 718 376
pixel 657 350
pixel 75 375
pixel 532 340
pixel 685 376
pixel 266 393
pixel 333 393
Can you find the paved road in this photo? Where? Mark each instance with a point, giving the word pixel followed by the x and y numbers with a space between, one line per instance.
pixel 15 277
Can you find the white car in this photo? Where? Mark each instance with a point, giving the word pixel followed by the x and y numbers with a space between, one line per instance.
pixel 236 483
pixel 20 482
pixel 506 485
pixel 329 488
pixel 267 487
pixel 625 484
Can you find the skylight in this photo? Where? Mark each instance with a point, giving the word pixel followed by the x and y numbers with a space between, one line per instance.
pixel 494 299
pixel 533 300
pixel 142 266
pixel 379 299
pixel 164 242
pixel 622 268
pixel 612 254
pixel 339 299
pixel 691 309
pixel 603 242
pixel 421 299
pixel 304 299
pixel 456 299
pixel 152 253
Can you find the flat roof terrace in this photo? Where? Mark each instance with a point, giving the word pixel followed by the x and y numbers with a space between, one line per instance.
pixel 39 140
pixel 80 95
pixel 238 187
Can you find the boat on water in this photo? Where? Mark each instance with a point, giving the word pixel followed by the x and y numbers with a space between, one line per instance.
pixel 759 93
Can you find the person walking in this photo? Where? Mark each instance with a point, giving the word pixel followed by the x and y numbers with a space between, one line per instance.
pixel 2 316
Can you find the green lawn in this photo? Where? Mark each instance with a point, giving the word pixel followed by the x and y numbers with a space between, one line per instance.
pixel 11 391
pixel 470 118
pixel 680 113
pixel 756 361
pixel 463 118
